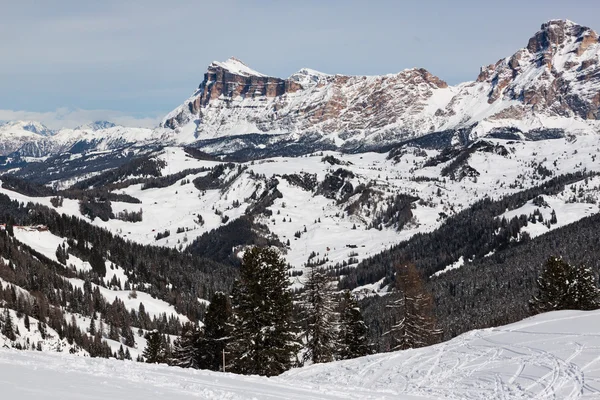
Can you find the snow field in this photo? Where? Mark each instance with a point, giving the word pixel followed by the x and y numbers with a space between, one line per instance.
pixel 550 356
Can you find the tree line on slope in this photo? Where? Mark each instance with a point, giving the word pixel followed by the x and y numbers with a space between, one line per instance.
pixel 177 278
pixel 472 234
pixel 494 290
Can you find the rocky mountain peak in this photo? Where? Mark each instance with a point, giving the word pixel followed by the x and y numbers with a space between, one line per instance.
pixel 555 35
pixel 557 73
pixel 229 79
pixel 309 77
pixel 416 76
pixel 233 66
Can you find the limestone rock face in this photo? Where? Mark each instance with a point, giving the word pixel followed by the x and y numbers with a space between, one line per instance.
pixel 557 73
pixel 232 95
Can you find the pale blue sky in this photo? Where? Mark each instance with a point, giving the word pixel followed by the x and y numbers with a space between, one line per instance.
pixel 143 58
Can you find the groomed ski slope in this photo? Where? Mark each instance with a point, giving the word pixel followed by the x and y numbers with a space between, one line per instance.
pixel 551 356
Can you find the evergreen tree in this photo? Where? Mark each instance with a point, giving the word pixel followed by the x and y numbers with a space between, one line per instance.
pixel 263 340
pixel 93 325
pixel 97 262
pixel 113 333
pixel 26 321
pixel 121 354
pixel 8 327
pixel 61 254
pixel 10 229
pixel 586 294
pixel 155 348
pixel 319 317
pixel 42 329
pixel 353 337
pixel 185 348
pixel 128 336
pixel 562 286
pixel 414 318
pixel 217 332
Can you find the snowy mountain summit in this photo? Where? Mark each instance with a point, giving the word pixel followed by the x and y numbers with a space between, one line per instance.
pixel 552 83
pixel 557 73
pixel 15 134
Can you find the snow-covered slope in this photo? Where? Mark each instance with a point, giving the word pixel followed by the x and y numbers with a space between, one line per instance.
pixel 337 208
pixel 34 336
pixel 550 356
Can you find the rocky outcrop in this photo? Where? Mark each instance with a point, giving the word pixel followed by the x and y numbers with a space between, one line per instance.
pixel 556 74
pixel 229 80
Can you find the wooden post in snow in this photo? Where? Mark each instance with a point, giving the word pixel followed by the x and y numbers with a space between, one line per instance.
pixel 223 360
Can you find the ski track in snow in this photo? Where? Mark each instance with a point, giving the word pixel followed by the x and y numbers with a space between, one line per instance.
pixel 550 356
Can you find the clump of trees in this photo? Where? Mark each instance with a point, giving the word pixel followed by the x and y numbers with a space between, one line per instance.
pixel 130 216
pixel 562 286
pixel 202 348
pixel 257 331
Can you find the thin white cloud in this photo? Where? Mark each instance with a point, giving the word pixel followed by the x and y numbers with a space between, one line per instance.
pixel 71 118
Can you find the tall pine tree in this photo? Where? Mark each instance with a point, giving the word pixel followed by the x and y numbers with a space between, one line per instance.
pixel 353 336
pixel 217 332
pixel 263 341
pixel 8 329
pixel 155 351
pixel 320 316
pixel 413 312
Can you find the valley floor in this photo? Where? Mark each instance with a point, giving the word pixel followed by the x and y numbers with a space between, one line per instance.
pixel 550 356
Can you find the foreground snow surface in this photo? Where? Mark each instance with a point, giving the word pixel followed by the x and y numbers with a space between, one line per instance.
pixel 551 356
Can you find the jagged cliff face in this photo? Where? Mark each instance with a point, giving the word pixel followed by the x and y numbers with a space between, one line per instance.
pixel 558 73
pixel 556 76
pixel 345 107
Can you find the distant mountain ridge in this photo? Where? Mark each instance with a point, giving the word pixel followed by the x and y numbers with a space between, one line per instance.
pixel 553 83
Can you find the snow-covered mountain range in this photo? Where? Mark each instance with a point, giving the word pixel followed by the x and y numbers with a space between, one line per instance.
pixel 553 83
